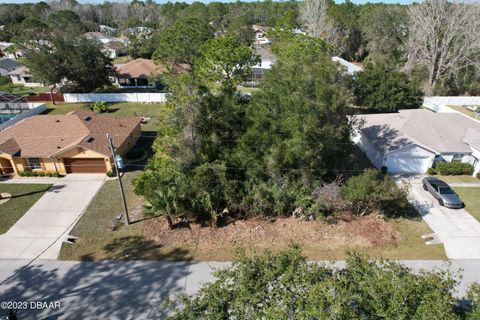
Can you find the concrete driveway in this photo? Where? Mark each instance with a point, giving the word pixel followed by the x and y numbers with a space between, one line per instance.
pixel 39 233
pixel 456 229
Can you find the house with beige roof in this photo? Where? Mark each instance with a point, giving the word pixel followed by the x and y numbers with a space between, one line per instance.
pixel 136 73
pixel 411 141
pixel 73 143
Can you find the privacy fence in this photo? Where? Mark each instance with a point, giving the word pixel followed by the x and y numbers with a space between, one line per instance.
pixel 115 97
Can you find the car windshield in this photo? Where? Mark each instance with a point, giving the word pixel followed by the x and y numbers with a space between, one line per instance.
pixel 446 190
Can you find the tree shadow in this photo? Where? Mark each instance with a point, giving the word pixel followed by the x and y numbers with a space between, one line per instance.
pixel 145 142
pixel 139 248
pixel 46 189
pixel 98 289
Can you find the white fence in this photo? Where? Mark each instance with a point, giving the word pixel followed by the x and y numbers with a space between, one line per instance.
pixel 115 97
pixel 454 101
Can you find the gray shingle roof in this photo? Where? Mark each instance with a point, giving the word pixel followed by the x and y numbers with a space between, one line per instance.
pixel 440 132
pixel 7 63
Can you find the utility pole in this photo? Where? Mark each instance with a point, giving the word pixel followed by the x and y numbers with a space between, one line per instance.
pixel 117 169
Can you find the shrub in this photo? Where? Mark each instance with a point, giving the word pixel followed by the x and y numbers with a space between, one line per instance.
pixel 109 173
pixel 478 175
pixel 372 191
pixel 431 171
pixel 454 168
pixel 56 175
pixel 22 174
pixel 27 174
pixel 41 174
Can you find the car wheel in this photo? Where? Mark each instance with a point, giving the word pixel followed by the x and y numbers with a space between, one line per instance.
pixel 440 202
pixel 425 187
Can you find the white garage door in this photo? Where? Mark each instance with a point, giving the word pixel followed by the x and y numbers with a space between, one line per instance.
pixel 407 164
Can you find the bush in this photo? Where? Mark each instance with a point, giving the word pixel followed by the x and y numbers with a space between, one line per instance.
pixel 372 191
pixel 22 174
pixel 454 168
pixel 431 171
pixel 109 173
pixel 478 175
pixel 41 174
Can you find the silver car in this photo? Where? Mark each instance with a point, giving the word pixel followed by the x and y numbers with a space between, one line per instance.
pixel 442 192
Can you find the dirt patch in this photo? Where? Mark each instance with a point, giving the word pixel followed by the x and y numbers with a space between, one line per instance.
pixel 362 233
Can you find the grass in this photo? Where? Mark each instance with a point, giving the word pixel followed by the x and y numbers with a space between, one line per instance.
pixel 125 109
pixel 458 179
pixel 23 197
pixel 471 198
pixel 466 112
pixel 22 90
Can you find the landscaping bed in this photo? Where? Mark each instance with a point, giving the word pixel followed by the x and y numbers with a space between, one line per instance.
pixel 23 197
pixel 373 235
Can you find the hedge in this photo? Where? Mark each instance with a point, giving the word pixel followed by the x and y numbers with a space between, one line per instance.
pixel 454 168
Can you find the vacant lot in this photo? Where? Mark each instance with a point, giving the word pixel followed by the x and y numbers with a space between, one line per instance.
pixel 23 197
pixel 151 239
pixel 126 109
pixel 471 198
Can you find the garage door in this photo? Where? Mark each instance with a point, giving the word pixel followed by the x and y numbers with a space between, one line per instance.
pixel 84 165
pixel 408 164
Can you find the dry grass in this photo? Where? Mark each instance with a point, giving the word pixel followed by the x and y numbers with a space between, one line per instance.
pixel 459 179
pixel 471 198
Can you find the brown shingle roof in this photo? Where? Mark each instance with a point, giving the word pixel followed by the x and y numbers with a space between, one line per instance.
pixel 142 68
pixel 46 135
pixel 10 147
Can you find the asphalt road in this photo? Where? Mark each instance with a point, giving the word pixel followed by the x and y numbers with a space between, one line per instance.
pixel 130 289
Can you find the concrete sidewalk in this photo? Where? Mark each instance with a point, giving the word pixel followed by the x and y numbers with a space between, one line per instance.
pixel 136 289
pixel 42 229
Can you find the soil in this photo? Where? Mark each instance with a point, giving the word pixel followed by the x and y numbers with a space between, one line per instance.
pixel 346 233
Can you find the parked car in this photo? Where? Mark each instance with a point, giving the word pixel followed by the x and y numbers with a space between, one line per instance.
pixel 442 192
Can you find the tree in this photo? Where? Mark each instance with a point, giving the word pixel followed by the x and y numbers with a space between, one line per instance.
pixel 444 38
pixel 286 286
pixel 313 14
pixel 297 124
pixel 78 61
pixel 385 29
pixel 182 42
pixel 379 89
pixel 227 60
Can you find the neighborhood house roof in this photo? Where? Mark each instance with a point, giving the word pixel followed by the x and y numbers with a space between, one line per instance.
pixel 439 132
pixel 264 53
pixel 142 68
pixel 98 36
pixel 351 67
pixel 47 135
pixel 7 63
pixel 20 71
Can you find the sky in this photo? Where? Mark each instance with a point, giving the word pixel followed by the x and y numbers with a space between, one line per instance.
pixel 206 1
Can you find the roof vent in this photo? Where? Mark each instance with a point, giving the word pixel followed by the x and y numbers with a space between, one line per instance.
pixel 87 118
pixel 90 139
pixel 58 147
pixel 57 120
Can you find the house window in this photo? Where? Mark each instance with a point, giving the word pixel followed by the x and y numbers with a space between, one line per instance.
pixel 457 157
pixel 34 163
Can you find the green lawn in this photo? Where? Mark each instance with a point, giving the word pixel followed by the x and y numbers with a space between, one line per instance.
pixel 127 109
pixel 458 179
pixel 23 197
pixel 466 111
pixel 471 198
pixel 22 90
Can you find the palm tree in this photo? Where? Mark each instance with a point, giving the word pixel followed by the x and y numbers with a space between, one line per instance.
pixel 163 202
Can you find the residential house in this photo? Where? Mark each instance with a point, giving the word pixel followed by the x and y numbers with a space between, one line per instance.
pixel 6 52
pixel 7 65
pixel 22 75
pixel 99 37
pixel 136 73
pixel 267 59
pixel 411 141
pixel 350 67
pixel 260 35
pixel 114 50
pixel 73 143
